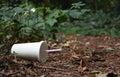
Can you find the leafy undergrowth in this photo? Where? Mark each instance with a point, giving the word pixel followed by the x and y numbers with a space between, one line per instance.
pixel 81 57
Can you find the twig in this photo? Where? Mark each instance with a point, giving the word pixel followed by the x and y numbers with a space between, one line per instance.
pixel 81 63
pixel 14 73
pixel 50 68
pixel 9 74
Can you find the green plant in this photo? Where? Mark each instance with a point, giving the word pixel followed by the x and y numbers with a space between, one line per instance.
pixel 17 26
pixel 27 23
pixel 98 23
pixel 15 58
pixel 75 15
pixel 4 65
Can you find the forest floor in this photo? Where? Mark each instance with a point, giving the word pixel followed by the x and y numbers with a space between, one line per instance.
pixel 84 56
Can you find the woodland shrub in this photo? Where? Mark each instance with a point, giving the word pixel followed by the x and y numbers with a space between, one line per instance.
pixel 25 23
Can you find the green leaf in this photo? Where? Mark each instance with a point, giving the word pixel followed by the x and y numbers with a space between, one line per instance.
pixel 1 45
pixel 51 22
pixel 75 13
pixel 1 33
pixel 18 9
pixel 77 5
pixel 31 22
pixel 8 36
pixel 26 31
pixel 55 13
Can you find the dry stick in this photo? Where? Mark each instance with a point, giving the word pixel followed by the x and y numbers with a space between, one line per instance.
pixel 9 74
pixel 14 73
pixel 81 63
pixel 50 68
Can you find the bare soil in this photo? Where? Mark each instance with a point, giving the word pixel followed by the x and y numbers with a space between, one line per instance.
pixel 80 57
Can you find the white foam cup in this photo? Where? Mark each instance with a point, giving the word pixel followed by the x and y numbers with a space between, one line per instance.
pixel 36 50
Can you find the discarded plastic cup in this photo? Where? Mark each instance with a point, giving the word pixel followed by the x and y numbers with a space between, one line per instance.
pixel 36 50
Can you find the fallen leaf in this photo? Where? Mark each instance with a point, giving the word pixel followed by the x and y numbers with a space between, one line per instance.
pixel 118 44
pixel 106 38
pixel 54 44
pixel 87 43
pixel 102 46
pixel 75 55
pixel 101 75
pixel 82 69
pixel 110 49
pixel 66 44
pixel 42 76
